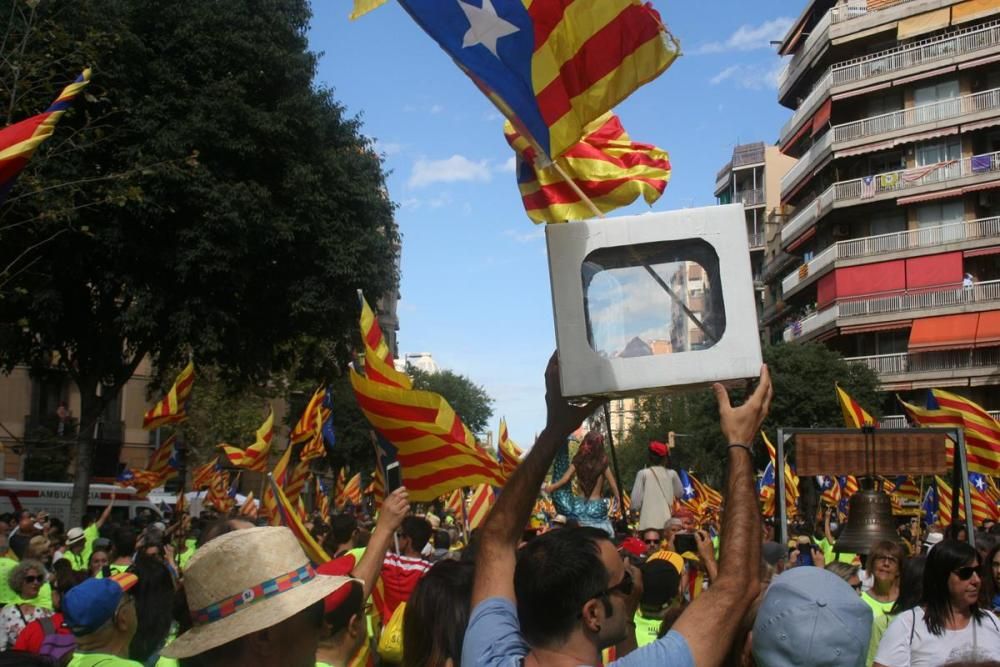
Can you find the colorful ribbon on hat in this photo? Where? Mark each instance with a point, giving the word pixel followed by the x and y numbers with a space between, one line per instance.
pixel 259 593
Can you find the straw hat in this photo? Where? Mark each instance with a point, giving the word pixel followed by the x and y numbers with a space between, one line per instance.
pixel 245 581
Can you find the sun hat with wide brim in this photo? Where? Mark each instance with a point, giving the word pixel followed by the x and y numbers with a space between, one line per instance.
pixel 245 581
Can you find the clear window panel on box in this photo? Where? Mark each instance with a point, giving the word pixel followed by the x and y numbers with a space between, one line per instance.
pixel 652 299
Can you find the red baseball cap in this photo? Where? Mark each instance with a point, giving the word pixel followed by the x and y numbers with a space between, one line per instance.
pixel 658 448
pixel 633 545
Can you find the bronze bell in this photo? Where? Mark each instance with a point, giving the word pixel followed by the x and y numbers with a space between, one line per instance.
pixel 869 521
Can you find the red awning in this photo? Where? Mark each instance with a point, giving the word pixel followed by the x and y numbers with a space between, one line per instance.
pixel 869 328
pixel 822 117
pixel 981 252
pixel 802 239
pixel 944 333
pixel 806 127
pixel 930 196
pixel 792 42
pixel 988 330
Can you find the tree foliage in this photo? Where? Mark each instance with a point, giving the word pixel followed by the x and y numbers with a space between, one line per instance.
pixel 204 197
pixel 469 400
pixel 803 375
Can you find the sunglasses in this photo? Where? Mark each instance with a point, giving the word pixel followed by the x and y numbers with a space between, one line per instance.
pixel 32 579
pixel 624 587
pixel 651 541
pixel 965 573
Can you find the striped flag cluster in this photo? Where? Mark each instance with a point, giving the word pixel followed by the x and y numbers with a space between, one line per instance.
pixel 322 499
pixel 172 408
pixel 697 496
pixel 982 432
pixel 552 67
pixel 308 431
pixel 218 493
pixel 606 166
pixel 249 507
pixel 351 493
pixel 455 504
pixel 19 141
pixel 203 474
pixel 830 493
pixel 437 453
pixel 255 456
pixel 162 466
pixel 767 486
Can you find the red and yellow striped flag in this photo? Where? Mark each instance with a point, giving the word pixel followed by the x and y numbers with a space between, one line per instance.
pixel 286 515
pixel 553 66
pixel 322 500
pixel 480 504
pixel 159 460
pixel 945 495
pixel 253 457
pixel 855 416
pixel 308 431
pixel 218 493
pixel 606 165
pixel 295 481
pixel 508 452
pixel 19 141
pixel 203 474
pixel 351 493
pixel 979 443
pixel 710 498
pixel 791 479
pixel 982 432
pixel 172 408
pixel 181 504
pixel 455 503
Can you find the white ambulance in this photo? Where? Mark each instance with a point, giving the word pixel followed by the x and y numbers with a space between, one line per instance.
pixel 54 498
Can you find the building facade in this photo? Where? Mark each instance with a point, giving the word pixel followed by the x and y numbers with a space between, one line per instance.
pixel 753 177
pixel 888 243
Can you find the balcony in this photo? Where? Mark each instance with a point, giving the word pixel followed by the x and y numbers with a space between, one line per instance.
pixel 747 155
pixel 884 244
pixel 805 327
pixel 49 427
pixel 750 198
pixel 755 240
pixel 966 171
pixel 980 294
pixel 722 182
pixel 959 45
pixel 889 365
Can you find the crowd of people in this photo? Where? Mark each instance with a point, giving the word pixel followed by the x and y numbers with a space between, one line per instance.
pixel 411 587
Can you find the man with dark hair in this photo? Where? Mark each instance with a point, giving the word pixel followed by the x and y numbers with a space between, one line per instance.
pixel 580 597
pixel 655 489
pixel 340 539
pixel 124 541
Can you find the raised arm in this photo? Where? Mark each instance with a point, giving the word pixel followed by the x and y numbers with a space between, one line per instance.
pixel 106 513
pixel 394 508
pixel 549 488
pixel 711 621
pixel 501 532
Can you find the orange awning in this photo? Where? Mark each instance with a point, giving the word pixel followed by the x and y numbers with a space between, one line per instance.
pixel 988 331
pixel 944 333
pixel 822 117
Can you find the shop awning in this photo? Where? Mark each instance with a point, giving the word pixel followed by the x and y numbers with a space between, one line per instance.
pixel 988 330
pixel 944 333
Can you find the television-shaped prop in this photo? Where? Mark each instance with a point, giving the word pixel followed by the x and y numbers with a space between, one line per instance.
pixel 653 302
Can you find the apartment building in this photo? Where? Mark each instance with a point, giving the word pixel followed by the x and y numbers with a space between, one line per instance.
pixel 753 176
pixel 889 244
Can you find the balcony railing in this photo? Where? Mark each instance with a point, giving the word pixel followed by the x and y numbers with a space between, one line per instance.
pixel 983 292
pixel 882 244
pixel 750 197
pixel 899 421
pixel 958 43
pixel 988 100
pixel 807 162
pixel 755 239
pixel 809 324
pixel 722 183
pixel 891 182
pixel 946 360
pixel 724 172
pixel 49 427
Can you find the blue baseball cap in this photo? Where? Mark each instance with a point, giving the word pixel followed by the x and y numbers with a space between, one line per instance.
pixel 813 618
pixel 88 606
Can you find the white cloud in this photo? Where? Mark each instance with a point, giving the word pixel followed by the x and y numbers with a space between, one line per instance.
pixel 536 233
pixel 749 77
pixel 387 147
pixel 450 170
pixel 750 37
pixel 508 166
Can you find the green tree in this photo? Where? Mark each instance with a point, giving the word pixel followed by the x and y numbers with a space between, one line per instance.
pixel 469 400
pixel 254 209
pixel 803 375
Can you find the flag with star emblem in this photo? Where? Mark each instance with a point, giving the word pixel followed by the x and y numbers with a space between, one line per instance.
pixel 829 490
pixel 930 504
pixel 983 507
pixel 689 495
pixel 982 433
pixel 791 479
pixel 551 67
pixel 606 165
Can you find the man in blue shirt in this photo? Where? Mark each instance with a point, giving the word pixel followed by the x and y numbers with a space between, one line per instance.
pixel 569 594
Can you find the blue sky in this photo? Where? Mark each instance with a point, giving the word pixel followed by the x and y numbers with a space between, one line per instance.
pixel 475 286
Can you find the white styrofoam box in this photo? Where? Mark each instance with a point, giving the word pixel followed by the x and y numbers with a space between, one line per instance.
pixel 654 302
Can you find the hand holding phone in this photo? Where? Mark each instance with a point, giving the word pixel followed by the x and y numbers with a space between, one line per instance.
pixel 393 477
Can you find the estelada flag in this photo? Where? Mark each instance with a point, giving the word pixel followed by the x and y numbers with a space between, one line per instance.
pixel 163 460
pixel 19 141
pixel 981 441
pixel 172 408
pixel 480 504
pixel 253 457
pixel 608 167
pixel 551 67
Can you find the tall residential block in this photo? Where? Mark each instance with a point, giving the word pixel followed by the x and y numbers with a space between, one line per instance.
pixel 889 247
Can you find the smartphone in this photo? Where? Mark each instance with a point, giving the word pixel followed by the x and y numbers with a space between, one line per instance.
pixel 685 542
pixel 393 477
pixel 805 554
